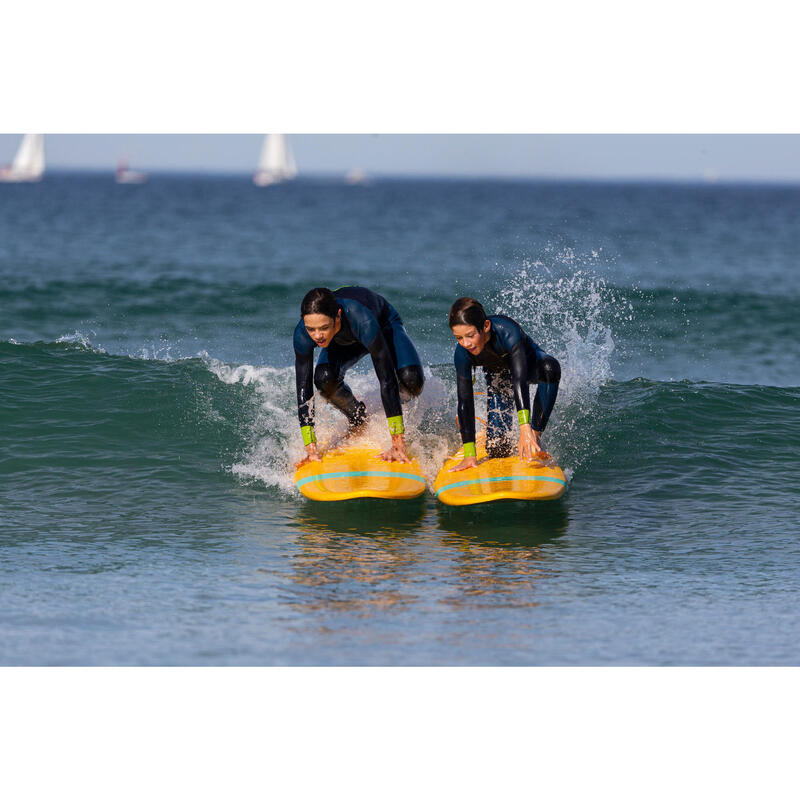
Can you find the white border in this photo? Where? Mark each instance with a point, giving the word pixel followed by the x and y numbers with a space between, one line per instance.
pixel 399 733
pixel 425 66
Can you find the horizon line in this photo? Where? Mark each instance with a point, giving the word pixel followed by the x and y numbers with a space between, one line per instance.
pixel 339 175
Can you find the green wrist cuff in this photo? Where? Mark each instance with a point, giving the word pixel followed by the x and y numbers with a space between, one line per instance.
pixel 469 450
pixel 308 434
pixel 524 417
pixel 396 425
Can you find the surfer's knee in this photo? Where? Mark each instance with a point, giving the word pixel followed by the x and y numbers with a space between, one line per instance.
pixel 549 370
pixel 412 379
pixel 326 379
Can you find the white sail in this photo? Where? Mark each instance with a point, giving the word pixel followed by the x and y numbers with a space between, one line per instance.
pixel 276 162
pixel 356 177
pixel 28 164
pixel 125 175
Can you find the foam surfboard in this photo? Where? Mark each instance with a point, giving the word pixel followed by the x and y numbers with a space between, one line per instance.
pixel 347 473
pixel 498 479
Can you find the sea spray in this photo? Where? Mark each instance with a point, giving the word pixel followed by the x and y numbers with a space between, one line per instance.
pixel 572 316
pixel 570 312
pixel 82 341
pixel 269 449
pixel 273 445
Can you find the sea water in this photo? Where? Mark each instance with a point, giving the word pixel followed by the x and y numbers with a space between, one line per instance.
pixel 148 426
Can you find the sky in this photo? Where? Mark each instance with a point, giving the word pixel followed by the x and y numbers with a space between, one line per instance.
pixel 692 157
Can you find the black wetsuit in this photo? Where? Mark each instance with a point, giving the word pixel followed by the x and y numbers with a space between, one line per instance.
pixel 369 325
pixel 510 361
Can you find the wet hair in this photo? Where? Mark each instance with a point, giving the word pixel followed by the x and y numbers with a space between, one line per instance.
pixel 467 311
pixel 320 301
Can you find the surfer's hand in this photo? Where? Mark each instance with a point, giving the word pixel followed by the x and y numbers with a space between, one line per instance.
pixel 397 452
pixel 529 446
pixel 311 455
pixel 467 463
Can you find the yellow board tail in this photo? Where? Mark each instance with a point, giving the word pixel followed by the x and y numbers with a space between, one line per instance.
pixel 350 473
pixel 498 479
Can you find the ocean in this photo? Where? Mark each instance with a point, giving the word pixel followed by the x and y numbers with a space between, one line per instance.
pixel 148 425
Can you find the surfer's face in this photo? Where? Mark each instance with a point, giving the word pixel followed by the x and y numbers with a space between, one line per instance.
pixel 472 339
pixel 322 328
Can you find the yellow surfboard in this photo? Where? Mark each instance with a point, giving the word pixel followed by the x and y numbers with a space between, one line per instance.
pixel 498 479
pixel 350 472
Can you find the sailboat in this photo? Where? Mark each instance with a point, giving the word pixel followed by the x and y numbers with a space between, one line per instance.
pixel 125 175
pixel 356 177
pixel 28 164
pixel 276 163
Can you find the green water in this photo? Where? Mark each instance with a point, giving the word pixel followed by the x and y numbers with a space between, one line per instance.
pixel 149 427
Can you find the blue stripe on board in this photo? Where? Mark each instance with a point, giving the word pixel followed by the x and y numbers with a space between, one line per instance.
pixel 368 473
pixel 495 480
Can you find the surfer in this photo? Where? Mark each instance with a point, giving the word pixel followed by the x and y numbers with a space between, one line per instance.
pixel 347 324
pixel 510 361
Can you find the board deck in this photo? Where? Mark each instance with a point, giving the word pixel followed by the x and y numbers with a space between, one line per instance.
pixel 498 479
pixel 348 473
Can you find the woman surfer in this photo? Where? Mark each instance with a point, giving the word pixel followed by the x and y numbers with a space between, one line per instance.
pixel 510 361
pixel 347 324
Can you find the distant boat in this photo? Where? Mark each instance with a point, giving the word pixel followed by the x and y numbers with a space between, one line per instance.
pixel 276 163
pixel 356 177
pixel 125 175
pixel 28 164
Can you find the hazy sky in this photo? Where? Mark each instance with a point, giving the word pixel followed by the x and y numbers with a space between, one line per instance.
pixel 680 157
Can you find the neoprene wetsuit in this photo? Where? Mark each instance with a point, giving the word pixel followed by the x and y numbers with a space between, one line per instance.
pixel 369 325
pixel 510 361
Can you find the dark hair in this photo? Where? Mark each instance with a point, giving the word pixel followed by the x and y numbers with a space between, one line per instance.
pixel 320 301
pixel 467 311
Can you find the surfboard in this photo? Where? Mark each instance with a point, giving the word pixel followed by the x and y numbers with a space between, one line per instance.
pixel 347 473
pixel 498 479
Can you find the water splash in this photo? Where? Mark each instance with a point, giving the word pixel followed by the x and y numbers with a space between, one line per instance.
pixel 572 315
pixel 81 340
pixel 571 312
pixel 273 445
pixel 270 430
pixel 157 352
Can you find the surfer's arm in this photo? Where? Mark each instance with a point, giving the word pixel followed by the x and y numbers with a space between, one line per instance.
pixel 466 408
pixel 390 390
pixel 518 363
pixel 304 367
pixel 304 380
pixel 366 329
pixel 466 399
pixel 529 446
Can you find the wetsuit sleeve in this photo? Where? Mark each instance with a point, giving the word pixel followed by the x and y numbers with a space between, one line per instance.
pixel 304 378
pixel 366 329
pixel 466 400
pixel 387 377
pixel 519 379
pixel 512 340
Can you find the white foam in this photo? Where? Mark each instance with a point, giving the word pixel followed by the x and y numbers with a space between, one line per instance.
pixel 275 444
pixel 81 339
